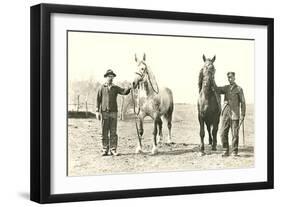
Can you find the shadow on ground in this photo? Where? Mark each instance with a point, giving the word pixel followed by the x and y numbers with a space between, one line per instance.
pixel 246 151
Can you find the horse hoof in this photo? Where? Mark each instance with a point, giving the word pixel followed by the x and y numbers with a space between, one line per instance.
pixel 138 150
pixel 169 141
pixel 159 140
pixel 154 151
pixel 202 154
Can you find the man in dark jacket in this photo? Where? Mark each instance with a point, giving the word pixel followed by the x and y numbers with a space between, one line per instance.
pixel 234 100
pixel 107 108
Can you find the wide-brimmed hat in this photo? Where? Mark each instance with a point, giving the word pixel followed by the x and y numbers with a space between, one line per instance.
pixel 109 72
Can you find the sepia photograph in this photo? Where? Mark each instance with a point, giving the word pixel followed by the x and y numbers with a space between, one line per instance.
pixel 152 103
pixel 129 103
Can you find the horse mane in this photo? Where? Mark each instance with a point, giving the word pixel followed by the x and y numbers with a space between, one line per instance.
pixel 151 80
pixel 200 80
pixel 201 77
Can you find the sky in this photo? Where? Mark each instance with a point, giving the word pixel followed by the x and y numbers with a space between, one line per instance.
pixel 175 61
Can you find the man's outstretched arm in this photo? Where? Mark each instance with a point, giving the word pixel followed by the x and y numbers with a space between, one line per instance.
pixel 123 91
pixel 219 89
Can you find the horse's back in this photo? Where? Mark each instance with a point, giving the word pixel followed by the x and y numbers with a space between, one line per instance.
pixel 161 102
pixel 165 97
pixel 166 93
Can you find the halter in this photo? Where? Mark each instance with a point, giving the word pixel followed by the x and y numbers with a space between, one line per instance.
pixel 209 70
pixel 136 112
pixel 140 74
pixel 145 72
pixel 211 84
pixel 132 91
pixel 149 79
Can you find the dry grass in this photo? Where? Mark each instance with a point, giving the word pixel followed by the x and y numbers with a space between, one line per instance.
pixel 84 149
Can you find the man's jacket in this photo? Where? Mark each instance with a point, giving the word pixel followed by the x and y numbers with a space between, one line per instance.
pixel 234 98
pixel 107 97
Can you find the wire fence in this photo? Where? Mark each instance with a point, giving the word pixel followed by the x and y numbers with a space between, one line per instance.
pixel 84 106
pixel 86 109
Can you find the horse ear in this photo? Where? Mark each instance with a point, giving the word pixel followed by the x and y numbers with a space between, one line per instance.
pixel 204 58
pixel 214 58
pixel 143 57
pixel 136 58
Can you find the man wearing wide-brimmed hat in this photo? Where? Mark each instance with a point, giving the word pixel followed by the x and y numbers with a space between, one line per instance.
pixel 107 107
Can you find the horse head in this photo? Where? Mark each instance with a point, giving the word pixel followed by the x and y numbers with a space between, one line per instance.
pixel 142 71
pixel 207 73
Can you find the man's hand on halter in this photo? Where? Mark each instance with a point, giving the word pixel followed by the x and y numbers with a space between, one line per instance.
pixel 130 86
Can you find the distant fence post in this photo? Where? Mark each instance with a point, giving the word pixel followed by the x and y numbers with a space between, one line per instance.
pixel 78 103
pixel 86 102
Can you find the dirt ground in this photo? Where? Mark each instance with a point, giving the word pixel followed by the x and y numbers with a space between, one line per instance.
pixel 84 147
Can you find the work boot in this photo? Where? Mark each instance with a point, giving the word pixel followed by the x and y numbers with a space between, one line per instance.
pixel 104 153
pixel 235 154
pixel 114 152
pixel 225 154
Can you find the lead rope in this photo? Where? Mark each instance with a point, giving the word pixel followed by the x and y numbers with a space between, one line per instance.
pixel 230 122
pixel 136 114
pixel 134 103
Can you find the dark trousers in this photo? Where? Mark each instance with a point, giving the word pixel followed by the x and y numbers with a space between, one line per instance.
pixel 232 125
pixel 109 131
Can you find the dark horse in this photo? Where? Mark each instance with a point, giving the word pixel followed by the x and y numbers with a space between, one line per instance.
pixel 208 104
pixel 152 102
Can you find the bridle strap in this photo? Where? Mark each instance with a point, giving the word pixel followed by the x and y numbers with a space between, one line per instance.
pixel 212 85
pixel 140 74
pixel 150 82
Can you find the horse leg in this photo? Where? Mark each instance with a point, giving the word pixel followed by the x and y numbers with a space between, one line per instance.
pixel 214 133
pixel 140 133
pixel 160 138
pixel 169 125
pixel 154 144
pixel 202 134
pixel 168 117
pixel 210 134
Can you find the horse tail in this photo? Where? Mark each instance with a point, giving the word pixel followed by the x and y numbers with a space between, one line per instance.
pixel 169 113
pixel 171 108
pixel 200 80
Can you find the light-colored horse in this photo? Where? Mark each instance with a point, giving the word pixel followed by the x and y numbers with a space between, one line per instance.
pixel 153 102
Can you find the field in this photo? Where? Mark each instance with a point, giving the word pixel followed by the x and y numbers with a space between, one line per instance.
pixel 84 147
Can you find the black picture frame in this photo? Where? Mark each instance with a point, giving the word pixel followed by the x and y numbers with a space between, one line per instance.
pixel 41 98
